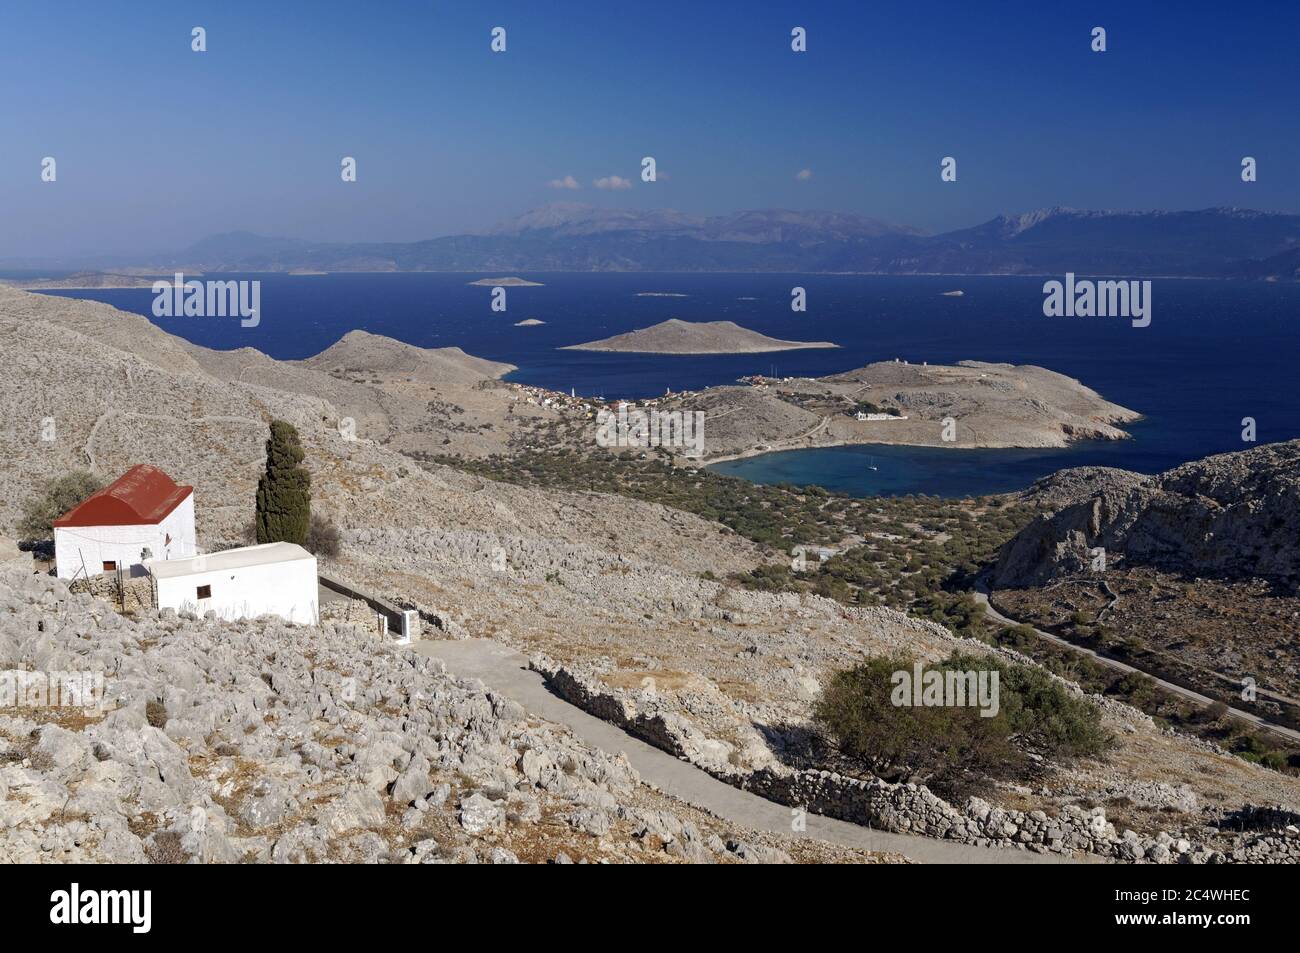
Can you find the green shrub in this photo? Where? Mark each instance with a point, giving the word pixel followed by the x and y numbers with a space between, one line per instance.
pixel 949 746
pixel 769 578
pixel 55 498
pixel 323 538
pixel 939 746
pixel 1045 716
pixel 1136 688
pixel 1214 712
pixel 1276 759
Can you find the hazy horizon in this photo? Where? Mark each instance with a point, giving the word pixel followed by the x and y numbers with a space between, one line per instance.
pixel 108 253
pixel 158 146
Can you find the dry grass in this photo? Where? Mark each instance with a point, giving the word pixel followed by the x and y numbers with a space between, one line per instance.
pixel 65 716
pixel 165 848
pixel 664 680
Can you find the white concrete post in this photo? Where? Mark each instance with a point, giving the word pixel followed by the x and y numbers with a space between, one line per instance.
pixel 410 626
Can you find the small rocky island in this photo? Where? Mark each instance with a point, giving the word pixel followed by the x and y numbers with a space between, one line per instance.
pixel 675 336
pixel 510 282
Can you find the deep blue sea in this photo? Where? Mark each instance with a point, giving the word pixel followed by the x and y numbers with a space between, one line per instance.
pixel 1215 352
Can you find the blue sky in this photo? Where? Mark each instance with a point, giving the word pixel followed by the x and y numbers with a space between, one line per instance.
pixel 158 146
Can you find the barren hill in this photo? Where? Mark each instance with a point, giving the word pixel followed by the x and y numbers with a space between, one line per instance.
pixel 1191 575
pixel 508 282
pixel 117 390
pixel 675 336
pixel 363 350
pixel 1232 515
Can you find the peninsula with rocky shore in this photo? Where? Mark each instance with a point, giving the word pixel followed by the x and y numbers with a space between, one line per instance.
pixel 971 404
pixel 90 281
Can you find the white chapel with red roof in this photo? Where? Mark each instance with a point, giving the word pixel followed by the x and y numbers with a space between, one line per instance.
pixel 141 515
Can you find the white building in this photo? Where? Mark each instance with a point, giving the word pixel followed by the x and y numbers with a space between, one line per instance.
pixel 271 579
pixel 142 515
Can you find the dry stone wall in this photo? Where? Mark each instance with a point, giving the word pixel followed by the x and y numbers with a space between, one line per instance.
pixel 914 809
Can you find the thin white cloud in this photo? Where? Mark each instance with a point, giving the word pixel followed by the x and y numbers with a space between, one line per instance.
pixel 612 183
pixel 803 175
pixel 568 182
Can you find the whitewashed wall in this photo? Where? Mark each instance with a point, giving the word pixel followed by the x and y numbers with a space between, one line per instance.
pixel 123 544
pixel 286 589
pixel 179 525
pixel 96 545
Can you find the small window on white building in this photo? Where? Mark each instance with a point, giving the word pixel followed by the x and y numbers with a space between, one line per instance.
pixel 110 565
pixel 204 592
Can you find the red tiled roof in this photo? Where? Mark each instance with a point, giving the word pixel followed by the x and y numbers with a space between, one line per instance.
pixel 143 495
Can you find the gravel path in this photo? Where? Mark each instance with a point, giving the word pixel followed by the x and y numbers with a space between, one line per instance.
pixel 504 670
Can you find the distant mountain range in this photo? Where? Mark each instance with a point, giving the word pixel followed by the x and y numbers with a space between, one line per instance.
pixel 1214 243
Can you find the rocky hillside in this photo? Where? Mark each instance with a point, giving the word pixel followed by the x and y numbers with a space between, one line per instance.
pixel 594 580
pixel 88 386
pixel 1233 515
pixel 262 742
pixel 362 350
pixel 1065 487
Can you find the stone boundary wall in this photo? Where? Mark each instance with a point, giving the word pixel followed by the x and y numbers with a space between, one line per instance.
pixel 382 606
pixel 913 808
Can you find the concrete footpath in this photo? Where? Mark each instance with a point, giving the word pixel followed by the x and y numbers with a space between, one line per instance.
pixel 506 671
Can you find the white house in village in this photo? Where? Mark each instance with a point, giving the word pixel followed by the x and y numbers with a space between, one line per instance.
pixel 271 579
pixel 861 416
pixel 142 515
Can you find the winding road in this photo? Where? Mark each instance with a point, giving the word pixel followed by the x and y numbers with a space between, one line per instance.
pixel 981 594
pixel 506 671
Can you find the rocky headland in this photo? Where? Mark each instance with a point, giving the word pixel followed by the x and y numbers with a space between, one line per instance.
pixel 91 280
pixel 1233 515
pixel 970 404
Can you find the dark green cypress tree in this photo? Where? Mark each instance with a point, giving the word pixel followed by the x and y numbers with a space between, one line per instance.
pixel 284 490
